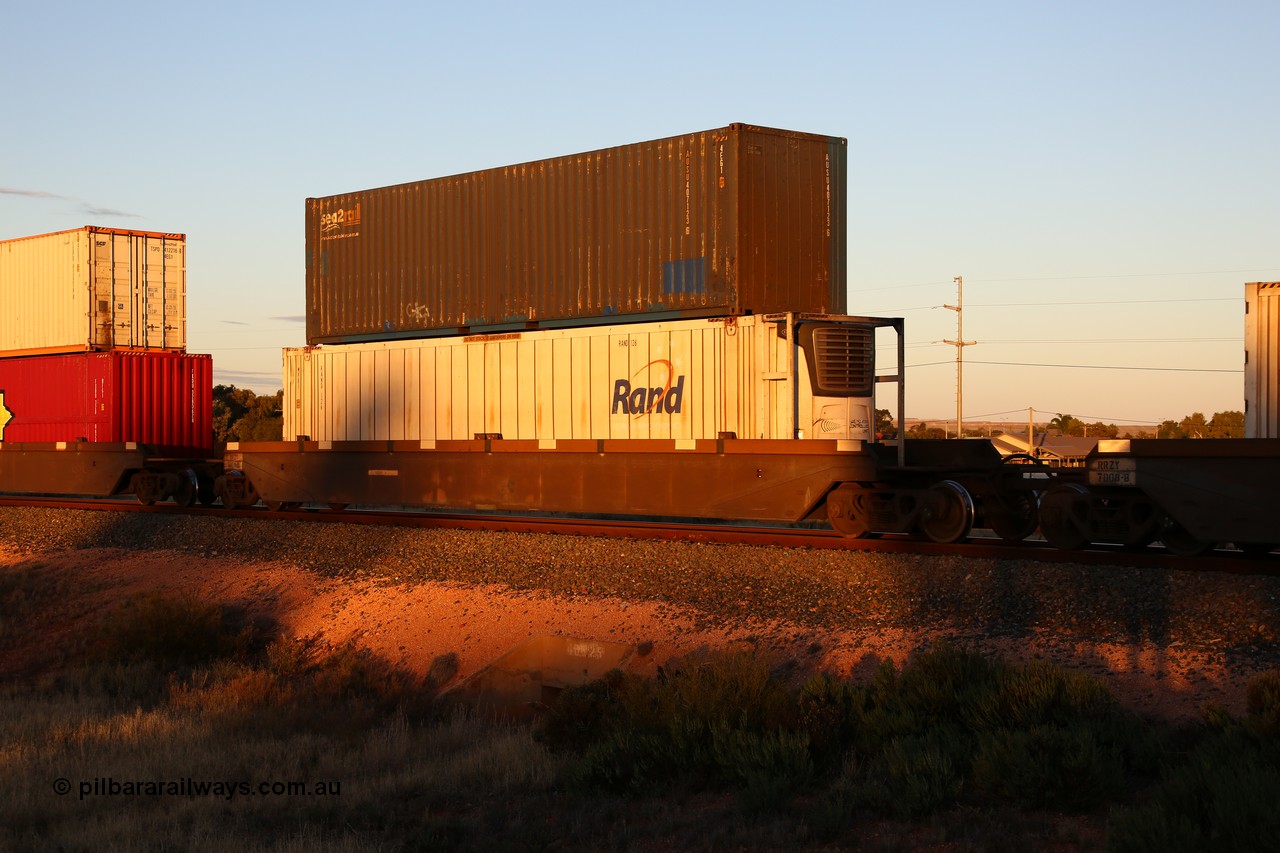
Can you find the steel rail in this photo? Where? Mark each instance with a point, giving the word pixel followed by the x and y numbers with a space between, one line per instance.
pixel 977 546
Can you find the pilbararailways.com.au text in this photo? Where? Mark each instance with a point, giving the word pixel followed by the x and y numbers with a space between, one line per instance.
pixel 108 786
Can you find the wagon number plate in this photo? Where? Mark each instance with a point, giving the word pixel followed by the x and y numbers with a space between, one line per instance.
pixel 1113 472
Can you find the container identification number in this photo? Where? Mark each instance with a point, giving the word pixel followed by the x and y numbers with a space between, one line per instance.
pixel 1113 472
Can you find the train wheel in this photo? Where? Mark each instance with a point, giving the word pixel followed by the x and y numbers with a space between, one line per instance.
pixel 949 514
pixel 1062 516
pixel 337 507
pixel 205 491
pixel 1013 518
pixel 235 490
pixel 1180 542
pixel 187 489
pixel 841 515
pixel 145 488
pixel 1142 520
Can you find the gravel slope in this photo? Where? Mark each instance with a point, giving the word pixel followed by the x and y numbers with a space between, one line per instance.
pixel 1171 639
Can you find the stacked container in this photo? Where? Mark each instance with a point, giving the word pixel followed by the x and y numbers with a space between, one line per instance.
pixel 738 220
pixel 93 340
pixel 592 278
pixel 1262 359
pixel 93 289
pixel 748 377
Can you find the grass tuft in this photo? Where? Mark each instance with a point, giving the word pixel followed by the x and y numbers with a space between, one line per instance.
pixel 172 632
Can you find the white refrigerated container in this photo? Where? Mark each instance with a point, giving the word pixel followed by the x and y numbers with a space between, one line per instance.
pixel 751 377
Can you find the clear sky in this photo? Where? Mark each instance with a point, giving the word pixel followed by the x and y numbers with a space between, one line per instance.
pixel 1104 175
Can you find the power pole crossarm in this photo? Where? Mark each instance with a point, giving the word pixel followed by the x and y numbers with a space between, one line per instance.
pixel 959 343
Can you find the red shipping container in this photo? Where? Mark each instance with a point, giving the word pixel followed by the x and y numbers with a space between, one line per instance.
pixel 163 400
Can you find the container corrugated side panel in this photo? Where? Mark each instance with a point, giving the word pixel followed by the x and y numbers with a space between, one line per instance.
pixel 164 400
pixel 44 288
pixel 93 289
pixel 1262 360
pixel 730 221
pixel 592 383
pixel 791 221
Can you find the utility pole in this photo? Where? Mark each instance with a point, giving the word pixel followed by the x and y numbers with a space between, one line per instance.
pixel 959 343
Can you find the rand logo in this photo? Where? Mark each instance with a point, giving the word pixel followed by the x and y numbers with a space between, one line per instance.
pixel 652 397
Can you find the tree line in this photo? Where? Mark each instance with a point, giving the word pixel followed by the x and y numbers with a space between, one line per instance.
pixel 241 415
pixel 1195 425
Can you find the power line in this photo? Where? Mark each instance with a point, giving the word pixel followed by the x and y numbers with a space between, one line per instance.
pixel 1105 302
pixel 1060 304
pixel 1095 418
pixel 1128 275
pixel 1236 339
pixel 1068 278
pixel 1054 413
pixel 1114 367
pixel 996 414
pixel 1087 367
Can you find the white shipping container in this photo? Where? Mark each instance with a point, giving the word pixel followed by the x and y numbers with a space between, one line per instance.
pixel 93 289
pixel 1262 359
pixel 752 376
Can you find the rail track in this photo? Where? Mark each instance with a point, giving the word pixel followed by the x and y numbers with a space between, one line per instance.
pixel 977 546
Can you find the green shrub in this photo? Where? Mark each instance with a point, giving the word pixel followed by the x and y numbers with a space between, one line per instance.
pixel 767 768
pixel 24 591
pixel 1069 767
pixel 934 688
pixel 735 686
pixel 911 777
pixel 341 690
pixel 348 688
pixel 1222 797
pixel 1262 701
pixel 625 762
pixel 585 714
pixel 1038 694
pixel 172 632
pixel 827 711
pixel 907 744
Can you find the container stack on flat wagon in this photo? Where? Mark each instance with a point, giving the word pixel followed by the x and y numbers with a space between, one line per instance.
pixel 651 329
pixel 93 343
pixel 684 288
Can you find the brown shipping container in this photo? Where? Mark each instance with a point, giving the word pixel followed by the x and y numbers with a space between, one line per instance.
pixel 93 289
pixel 738 220
pixel 1262 359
